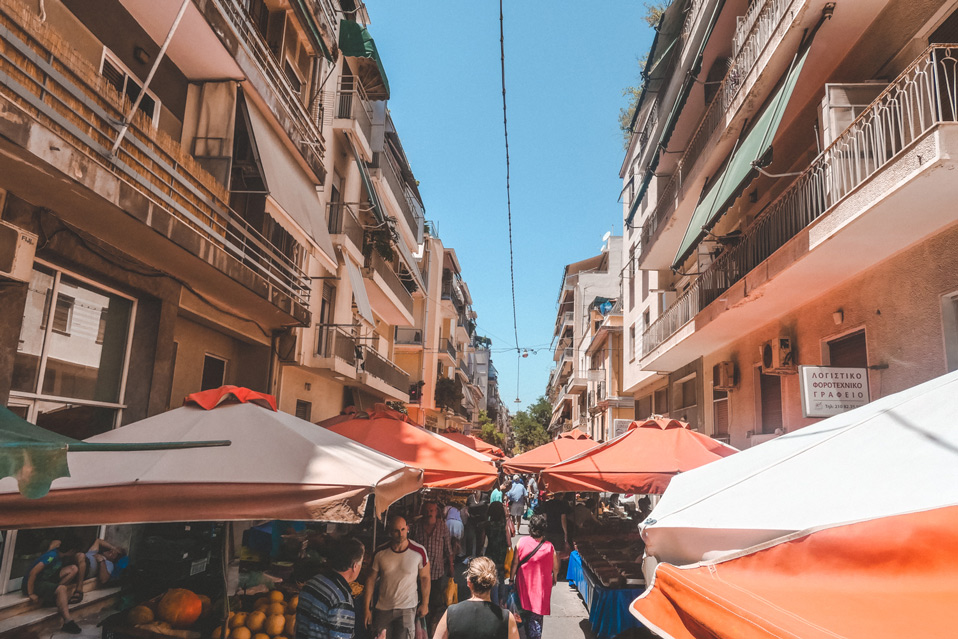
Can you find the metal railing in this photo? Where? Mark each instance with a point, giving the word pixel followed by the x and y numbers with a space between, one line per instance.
pixel 311 143
pixel 39 73
pixel 450 348
pixel 408 336
pixel 376 264
pixel 342 220
pixel 380 367
pixel 391 172
pixel 333 341
pixel 924 94
pixel 352 104
pixel 765 19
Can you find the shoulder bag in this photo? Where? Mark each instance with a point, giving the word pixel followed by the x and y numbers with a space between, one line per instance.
pixel 513 601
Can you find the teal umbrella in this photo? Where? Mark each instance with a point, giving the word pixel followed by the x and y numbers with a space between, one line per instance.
pixel 35 456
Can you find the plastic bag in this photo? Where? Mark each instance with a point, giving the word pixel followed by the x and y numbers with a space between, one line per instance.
pixel 421 632
pixel 513 604
pixel 452 592
pixel 508 563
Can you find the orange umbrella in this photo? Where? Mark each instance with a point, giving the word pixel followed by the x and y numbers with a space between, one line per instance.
pixel 575 433
pixel 887 577
pixel 537 459
pixel 475 443
pixel 643 460
pixel 445 463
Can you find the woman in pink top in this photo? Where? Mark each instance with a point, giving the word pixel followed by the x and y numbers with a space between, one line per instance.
pixel 536 576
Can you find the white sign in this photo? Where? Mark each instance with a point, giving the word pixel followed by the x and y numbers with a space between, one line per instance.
pixel 828 391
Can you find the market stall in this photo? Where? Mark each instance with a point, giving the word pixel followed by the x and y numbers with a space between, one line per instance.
pixel 866 502
pixel 445 463
pixel 535 460
pixel 475 444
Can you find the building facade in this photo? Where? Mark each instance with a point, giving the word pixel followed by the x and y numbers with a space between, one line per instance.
pixel 787 205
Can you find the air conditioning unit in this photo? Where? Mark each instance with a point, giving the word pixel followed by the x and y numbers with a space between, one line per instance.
pixel 777 357
pixel 17 248
pixel 723 376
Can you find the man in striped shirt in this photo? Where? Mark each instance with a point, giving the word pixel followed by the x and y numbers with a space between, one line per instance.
pixel 326 609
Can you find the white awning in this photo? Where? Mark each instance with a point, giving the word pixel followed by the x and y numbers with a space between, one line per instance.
pixel 288 184
pixel 359 290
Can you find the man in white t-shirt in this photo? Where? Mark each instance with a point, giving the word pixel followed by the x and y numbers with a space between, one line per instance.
pixel 396 568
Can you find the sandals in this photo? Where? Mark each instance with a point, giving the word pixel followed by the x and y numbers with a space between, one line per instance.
pixel 76 597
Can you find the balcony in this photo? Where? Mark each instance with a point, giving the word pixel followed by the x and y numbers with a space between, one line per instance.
pixel 303 128
pixel 336 350
pixel 382 374
pixel 884 184
pixel 408 338
pixel 760 30
pixel 354 115
pixel 448 349
pixel 575 385
pixel 389 297
pixel 562 322
pixel 62 116
pixel 385 170
pixel 345 229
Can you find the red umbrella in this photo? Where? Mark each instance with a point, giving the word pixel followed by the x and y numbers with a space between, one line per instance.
pixel 445 463
pixel 474 443
pixel 537 459
pixel 643 460
pixel 575 433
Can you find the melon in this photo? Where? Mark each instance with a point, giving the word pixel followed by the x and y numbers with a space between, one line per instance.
pixel 274 625
pixel 180 608
pixel 255 621
pixel 138 615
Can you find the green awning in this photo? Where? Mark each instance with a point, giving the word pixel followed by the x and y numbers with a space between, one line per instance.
pixel 370 191
pixel 355 42
pixel 739 170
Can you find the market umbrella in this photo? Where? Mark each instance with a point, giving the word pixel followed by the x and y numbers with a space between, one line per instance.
pixel 843 528
pixel 475 444
pixel 277 467
pixel 575 433
pixel 644 460
pixel 446 464
pixel 535 460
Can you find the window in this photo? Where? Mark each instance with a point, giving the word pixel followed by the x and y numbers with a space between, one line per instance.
pixel 632 343
pixel 304 409
pixel 686 408
pixel 848 351
pixel 632 277
pixel 326 306
pixel 101 327
pixel 63 314
pixel 645 284
pixel 720 417
pixel 661 401
pixel 771 397
pixel 949 318
pixel 643 407
pixel 214 372
pixel 127 84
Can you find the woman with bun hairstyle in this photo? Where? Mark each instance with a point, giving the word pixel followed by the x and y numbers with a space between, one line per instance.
pixel 478 617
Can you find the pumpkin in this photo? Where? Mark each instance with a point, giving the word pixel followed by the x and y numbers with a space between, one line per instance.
pixel 289 629
pixel 276 608
pixel 240 632
pixel 274 625
pixel 180 607
pixel 255 621
pixel 275 596
pixel 237 620
pixel 138 615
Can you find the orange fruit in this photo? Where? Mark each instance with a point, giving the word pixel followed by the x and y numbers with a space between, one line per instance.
pixel 255 621
pixel 276 608
pixel 274 625
pixel 238 619
pixel 289 629
pixel 261 635
pixel 293 602
pixel 261 601
pixel 241 632
pixel 276 595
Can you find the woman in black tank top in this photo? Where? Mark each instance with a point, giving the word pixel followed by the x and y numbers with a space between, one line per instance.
pixel 478 617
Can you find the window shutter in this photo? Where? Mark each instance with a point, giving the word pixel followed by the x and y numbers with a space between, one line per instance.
pixel 771 402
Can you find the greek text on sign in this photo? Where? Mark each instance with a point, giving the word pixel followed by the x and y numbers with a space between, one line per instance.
pixel 828 391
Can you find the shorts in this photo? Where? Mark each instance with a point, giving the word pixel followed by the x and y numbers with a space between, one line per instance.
pixel 455 528
pixel 399 623
pixel 44 589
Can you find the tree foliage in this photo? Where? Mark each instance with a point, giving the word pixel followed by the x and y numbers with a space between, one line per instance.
pixel 448 393
pixel 653 14
pixel 530 427
pixel 488 431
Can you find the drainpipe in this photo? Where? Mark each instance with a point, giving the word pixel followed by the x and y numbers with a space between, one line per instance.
pixel 149 78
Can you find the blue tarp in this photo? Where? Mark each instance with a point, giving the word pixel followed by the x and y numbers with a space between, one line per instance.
pixel 608 607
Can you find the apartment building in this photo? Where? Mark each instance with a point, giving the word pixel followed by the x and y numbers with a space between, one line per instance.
pixel 582 283
pixel 788 211
pixel 610 410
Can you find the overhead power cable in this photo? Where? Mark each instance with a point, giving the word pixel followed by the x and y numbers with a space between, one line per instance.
pixel 505 128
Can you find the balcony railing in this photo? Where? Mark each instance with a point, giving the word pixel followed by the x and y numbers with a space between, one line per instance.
pixel 450 349
pixel 924 95
pixel 391 172
pixel 342 220
pixel 763 22
pixel 333 341
pixel 376 264
pixel 351 104
pixel 66 94
pixel 408 336
pixel 378 366
pixel 310 140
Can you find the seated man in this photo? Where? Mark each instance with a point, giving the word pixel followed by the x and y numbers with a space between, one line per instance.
pixel 99 561
pixel 52 580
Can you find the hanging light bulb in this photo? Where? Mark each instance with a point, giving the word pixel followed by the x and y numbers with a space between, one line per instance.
pixel 518 401
pixel 525 352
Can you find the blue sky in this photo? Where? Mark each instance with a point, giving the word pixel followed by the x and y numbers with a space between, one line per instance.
pixel 566 66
